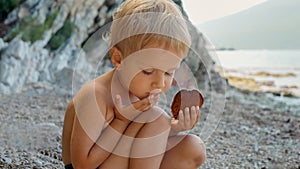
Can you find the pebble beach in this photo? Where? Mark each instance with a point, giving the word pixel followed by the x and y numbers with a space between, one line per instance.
pixel 255 131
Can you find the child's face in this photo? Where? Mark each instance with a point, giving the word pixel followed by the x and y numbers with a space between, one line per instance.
pixel 150 69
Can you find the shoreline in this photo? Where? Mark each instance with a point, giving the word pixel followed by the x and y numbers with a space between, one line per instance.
pixel 254 132
pixel 263 81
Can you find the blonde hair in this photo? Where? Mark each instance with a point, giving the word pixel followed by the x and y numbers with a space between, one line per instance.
pixel 138 23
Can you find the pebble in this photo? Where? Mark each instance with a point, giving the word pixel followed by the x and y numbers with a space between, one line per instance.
pixel 6 160
pixel 238 142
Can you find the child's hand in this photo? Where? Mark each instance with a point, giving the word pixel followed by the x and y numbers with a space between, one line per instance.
pixel 187 119
pixel 128 113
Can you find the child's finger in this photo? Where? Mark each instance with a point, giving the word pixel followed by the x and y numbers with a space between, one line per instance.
pixel 142 104
pixel 187 117
pixel 153 99
pixel 181 118
pixel 174 121
pixel 198 112
pixel 193 115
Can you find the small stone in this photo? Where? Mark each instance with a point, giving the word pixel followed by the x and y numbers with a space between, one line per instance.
pixel 6 160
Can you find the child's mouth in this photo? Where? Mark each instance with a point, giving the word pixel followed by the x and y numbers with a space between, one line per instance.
pixel 154 96
pixel 155 93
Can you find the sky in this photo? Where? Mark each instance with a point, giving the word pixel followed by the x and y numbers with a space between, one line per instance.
pixel 200 11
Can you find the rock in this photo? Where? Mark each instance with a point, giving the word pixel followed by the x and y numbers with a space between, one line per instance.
pixel 42 43
pixel 6 160
pixel 41 9
pixel 64 77
pixel 17 49
pixel 110 3
pixel 59 62
pixel 23 63
pixel 4 88
pixel 12 16
pixel 3 45
pixel 10 69
pixel 20 64
pixel 23 12
pixel 61 17
pixel 31 3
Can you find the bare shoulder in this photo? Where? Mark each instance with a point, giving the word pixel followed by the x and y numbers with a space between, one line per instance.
pixel 93 95
pixel 91 105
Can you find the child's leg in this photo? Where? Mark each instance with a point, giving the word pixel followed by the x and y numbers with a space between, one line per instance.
pixel 153 123
pixel 189 153
pixel 119 159
pixel 148 150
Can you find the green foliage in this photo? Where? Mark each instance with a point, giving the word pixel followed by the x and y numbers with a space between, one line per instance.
pixel 56 41
pixel 7 5
pixel 31 29
pixel 62 35
pixel 34 33
pixel 13 32
pixel 19 28
pixel 27 21
pixel 50 19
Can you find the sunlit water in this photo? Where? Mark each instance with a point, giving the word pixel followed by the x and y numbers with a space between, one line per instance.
pixel 245 63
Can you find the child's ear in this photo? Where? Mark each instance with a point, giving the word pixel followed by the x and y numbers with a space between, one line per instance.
pixel 115 56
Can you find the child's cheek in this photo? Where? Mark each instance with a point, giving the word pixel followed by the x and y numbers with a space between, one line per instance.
pixel 168 83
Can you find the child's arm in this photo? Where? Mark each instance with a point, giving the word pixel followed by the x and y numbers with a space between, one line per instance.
pixel 85 153
pixel 89 146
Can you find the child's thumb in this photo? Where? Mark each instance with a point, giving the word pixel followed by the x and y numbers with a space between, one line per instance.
pixel 174 121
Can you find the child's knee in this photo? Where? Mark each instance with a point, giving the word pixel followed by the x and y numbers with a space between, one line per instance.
pixel 160 125
pixel 156 118
pixel 195 149
pixel 154 133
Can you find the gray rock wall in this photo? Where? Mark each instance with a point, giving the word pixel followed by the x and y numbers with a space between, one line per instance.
pixel 24 65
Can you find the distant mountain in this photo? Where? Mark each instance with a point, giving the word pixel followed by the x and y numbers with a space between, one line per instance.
pixel 274 24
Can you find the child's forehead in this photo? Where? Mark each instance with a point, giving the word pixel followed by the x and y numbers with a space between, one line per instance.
pixel 154 57
pixel 162 46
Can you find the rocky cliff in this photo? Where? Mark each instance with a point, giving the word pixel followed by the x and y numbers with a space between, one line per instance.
pixel 42 44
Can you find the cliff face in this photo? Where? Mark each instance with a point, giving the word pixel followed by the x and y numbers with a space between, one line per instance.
pixel 43 45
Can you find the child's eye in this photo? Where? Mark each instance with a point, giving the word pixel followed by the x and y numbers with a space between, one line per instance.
pixel 147 72
pixel 170 73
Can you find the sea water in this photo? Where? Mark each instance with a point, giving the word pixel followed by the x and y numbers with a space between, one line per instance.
pixel 278 68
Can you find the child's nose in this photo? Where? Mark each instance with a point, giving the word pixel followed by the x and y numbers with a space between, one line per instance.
pixel 159 81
